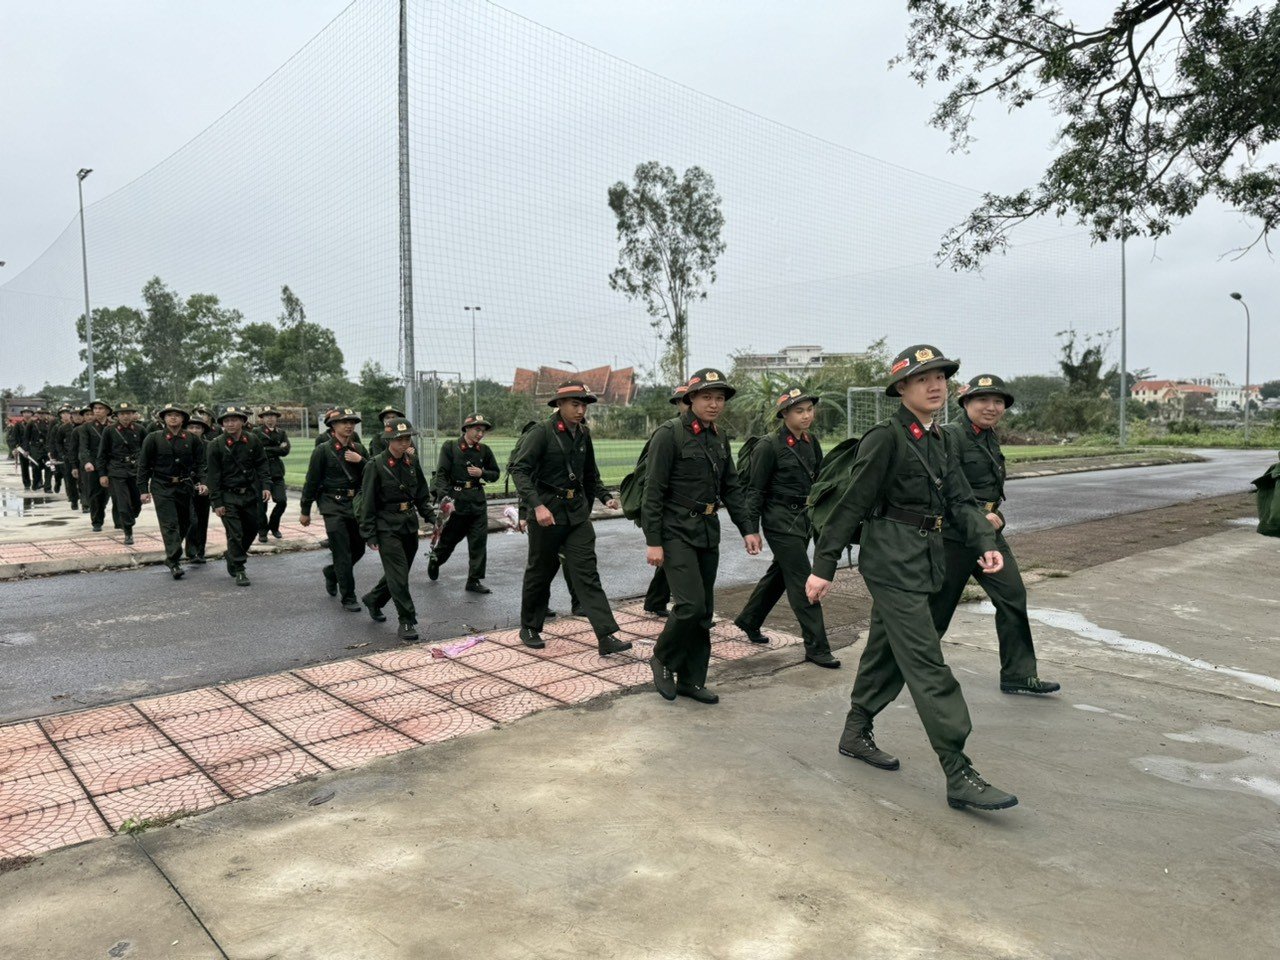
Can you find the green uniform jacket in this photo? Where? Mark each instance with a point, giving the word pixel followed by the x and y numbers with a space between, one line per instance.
pixel 276 444
pixel 167 458
pixel 87 439
pixel 395 495
pixel 235 465
pixel 118 451
pixel 556 469
pixel 327 436
pixel 783 468
pixel 983 466
pixel 452 480
pixel 331 481
pixel 37 441
pixel 689 467
pixel 60 446
pixel 887 474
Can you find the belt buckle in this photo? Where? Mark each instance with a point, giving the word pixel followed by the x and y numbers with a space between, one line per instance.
pixel 937 524
pixel 709 509
pixel 404 507
pixel 351 493
pixel 568 494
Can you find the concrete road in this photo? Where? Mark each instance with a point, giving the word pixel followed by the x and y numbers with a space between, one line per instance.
pixel 96 638
pixel 637 829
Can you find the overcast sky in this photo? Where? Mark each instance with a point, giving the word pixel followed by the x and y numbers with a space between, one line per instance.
pixel 118 87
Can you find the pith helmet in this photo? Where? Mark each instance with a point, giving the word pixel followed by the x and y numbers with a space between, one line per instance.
pixel 985 384
pixel 708 378
pixel 268 410
pixel 678 393
pixel 100 403
pixel 398 427
pixel 87 408
pixel 389 411
pixel 124 406
pixel 341 414
pixel 919 358
pixel 477 420
pixel 173 407
pixel 790 397
pixel 65 409
pixel 572 390
pixel 234 411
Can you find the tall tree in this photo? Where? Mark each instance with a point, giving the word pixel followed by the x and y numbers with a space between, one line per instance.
pixel 211 336
pixel 163 339
pixel 669 242
pixel 293 320
pixel 1165 103
pixel 116 332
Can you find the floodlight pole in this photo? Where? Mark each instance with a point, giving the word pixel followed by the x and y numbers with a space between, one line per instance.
pixel 475 395
pixel 1247 325
pixel 1124 343
pixel 84 263
pixel 407 363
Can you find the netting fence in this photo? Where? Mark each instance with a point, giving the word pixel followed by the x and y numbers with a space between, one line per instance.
pixel 516 134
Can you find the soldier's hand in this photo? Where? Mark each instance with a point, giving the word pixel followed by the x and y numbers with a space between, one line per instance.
pixel 266 496
pixel 991 562
pixel 76 474
pixel 352 457
pixel 89 467
pixel 202 489
pixel 752 540
pixel 612 503
pixel 146 498
pixel 994 520
pixel 654 556
pixel 104 482
pixel 815 588
pixel 474 471
pixel 220 511
pixel 543 516
pixel 305 520
pixel 372 545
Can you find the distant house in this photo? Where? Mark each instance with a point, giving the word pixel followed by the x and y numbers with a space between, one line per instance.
pixel 1175 398
pixel 794 362
pixel 613 387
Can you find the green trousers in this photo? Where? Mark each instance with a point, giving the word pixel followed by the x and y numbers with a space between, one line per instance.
pixel 684 645
pixel 577 544
pixel 659 593
pixel 1008 595
pixel 279 500
pixel 396 550
pixel 126 500
pixel 473 526
pixel 71 483
pixel 240 521
pixel 787 574
pixel 173 511
pixel 904 648
pixel 346 548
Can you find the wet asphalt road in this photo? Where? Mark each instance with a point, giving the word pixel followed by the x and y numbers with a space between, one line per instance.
pixel 81 640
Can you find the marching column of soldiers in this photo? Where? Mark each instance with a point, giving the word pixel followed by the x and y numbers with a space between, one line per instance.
pixel 922 500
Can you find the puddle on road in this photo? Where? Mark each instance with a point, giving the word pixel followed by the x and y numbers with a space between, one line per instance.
pixel 1085 629
pixel 1253 773
pixel 11 506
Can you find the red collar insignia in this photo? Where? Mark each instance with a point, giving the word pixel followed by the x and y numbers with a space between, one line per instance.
pixel 791 440
pixel 916 431
pixel 391 461
pixel 560 426
pixel 976 429
pixel 696 426
pixel 337 446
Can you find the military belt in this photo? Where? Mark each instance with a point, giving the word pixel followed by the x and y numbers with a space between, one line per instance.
pixel 990 506
pixel 694 507
pixel 176 479
pixel 795 503
pixel 921 521
pixel 471 483
pixel 564 493
pixel 237 490
pixel 340 494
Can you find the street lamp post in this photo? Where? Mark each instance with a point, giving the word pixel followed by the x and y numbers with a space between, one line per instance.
pixel 475 395
pixel 84 263
pixel 1247 325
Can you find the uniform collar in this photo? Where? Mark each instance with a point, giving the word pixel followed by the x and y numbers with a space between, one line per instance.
pixel 976 430
pixel 791 439
pixel 243 439
pixel 696 426
pixel 915 429
pixel 562 426
pixel 180 435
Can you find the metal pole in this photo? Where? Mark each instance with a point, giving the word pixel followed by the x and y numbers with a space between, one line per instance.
pixel 475 395
pixel 84 262
pixel 1248 323
pixel 407 371
pixel 1124 343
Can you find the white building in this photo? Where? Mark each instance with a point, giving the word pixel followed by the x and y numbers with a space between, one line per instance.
pixel 1227 396
pixel 794 361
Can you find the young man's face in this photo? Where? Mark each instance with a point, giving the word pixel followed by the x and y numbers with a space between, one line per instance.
pixel 925 393
pixel 474 435
pixel 399 446
pixel 100 412
pixel 986 410
pixel 572 411
pixel 343 429
pixel 126 417
pixel 173 421
pixel 707 405
pixel 196 427
pixel 65 416
pixel 269 420
pixel 232 426
pixel 799 418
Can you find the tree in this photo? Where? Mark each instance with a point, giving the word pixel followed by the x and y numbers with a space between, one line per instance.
pixel 669 235
pixel 165 352
pixel 211 335
pixel 1167 102
pixel 378 388
pixel 1270 390
pixel 115 342
pixel 305 356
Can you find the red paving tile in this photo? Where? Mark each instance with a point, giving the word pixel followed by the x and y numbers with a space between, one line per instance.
pixel 196 726
pixel 330 673
pixel 467 692
pixel 370 688
pixel 537 674
pixel 326 725
pixel 132 770
pixel 294 705
pixel 18 736
pixel 264 688
pixel 28 761
pixel 244 778
pixel 185 794
pixel 589 661
pixel 229 747
pixel 177 704
pixel 439 672
pixel 114 743
pixel 394 661
pixel 578 689
pixel 565 627
pixel 35 832
pixel 68 725
pixel 736 649
pixel 628 674
pixel 404 706
pixel 359 747
pixel 40 790
pixel 491 658
pixel 513 706
pixel 444 725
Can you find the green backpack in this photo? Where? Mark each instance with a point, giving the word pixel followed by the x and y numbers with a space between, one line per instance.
pixel 744 455
pixel 631 490
pixel 1269 502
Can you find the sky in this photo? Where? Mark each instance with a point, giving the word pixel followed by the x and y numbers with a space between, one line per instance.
pixel 119 87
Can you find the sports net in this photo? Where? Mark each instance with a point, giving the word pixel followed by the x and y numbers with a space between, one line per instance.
pixel 516 135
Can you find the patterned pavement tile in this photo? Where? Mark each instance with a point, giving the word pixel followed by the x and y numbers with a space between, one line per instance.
pixel 102 747
pixel 358 748
pixel 370 688
pixel 467 692
pixel 294 705
pixel 578 689
pixel 513 706
pixel 185 794
pixel 628 674
pixel 326 725
pixel 393 661
pixel 22 762
pixel 506 638
pixel 405 706
pixel 38 831
pixel 226 747
pixel 132 770
pixel 565 627
pixel 327 674
pixel 590 661
pixel 736 649
pixel 438 673
pixel 193 701
pixel 17 736
pixel 444 725
pixel 244 778
pixel 210 723
pixel 648 628
pixel 40 790
pixel 491 658
pixel 68 725
pixel 539 674
pixel 264 688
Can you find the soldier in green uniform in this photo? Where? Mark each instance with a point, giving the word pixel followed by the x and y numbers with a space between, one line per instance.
pixel 783 467
pixel 18 444
pixel 395 494
pixel 556 476
pixel 62 456
pixel 985 401
pixel 37 446
pixel 211 429
pixel 906 483
pixel 690 477
pixel 463 470
pixel 171 466
pixel 88 440
pixel 333 478
pixel 658 595
pixel 276 443
pixel 378 442
pixel 236 475
pixel 117 466
pixel 198 530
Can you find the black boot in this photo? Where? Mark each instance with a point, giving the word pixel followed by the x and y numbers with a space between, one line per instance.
pixel 1031 685
pixel 663 679
pixel 408 630
pixel 701 694
pixel 656 612
pixel 262 537
pixel 823 659
pixel 128 536
pixel 350 604
pixel 967 789
pixel 242 578
pixel 330 581
pixel 611 644
pixel 475 586
pixel 175 571
pixel 532 639
pixel 374 612
pixel 859 745
pixel 433 568
pixel 753 633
